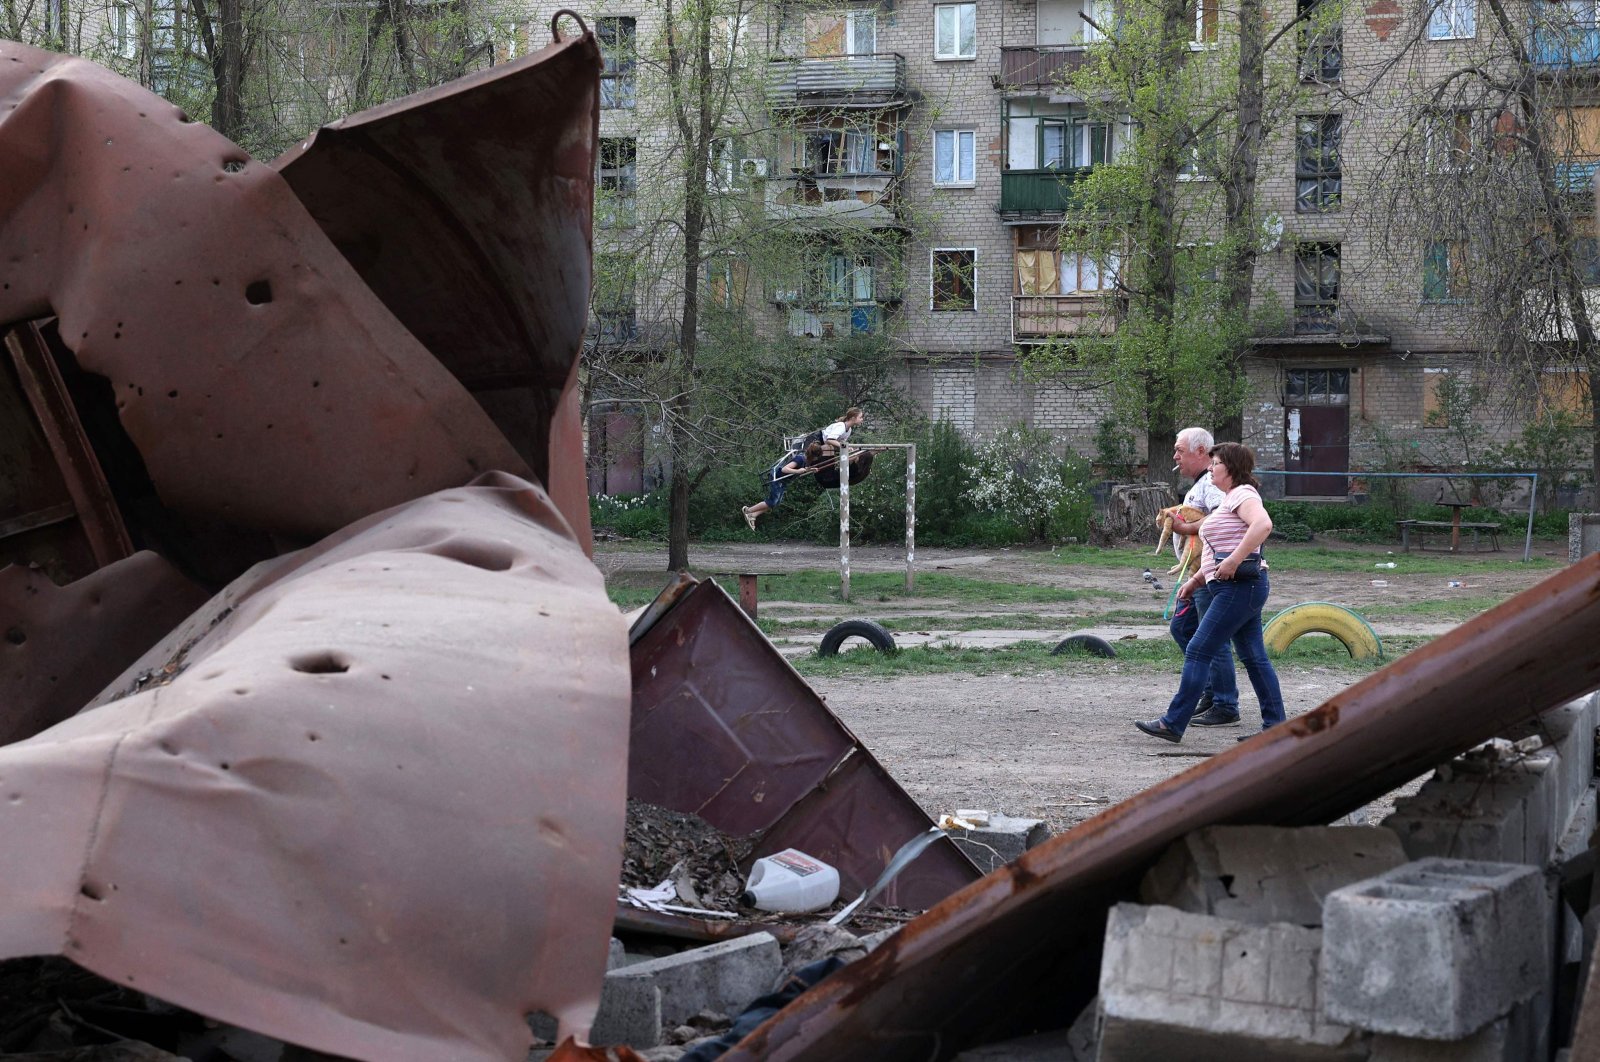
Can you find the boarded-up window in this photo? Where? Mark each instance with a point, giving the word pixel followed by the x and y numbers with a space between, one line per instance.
pixel 825 35
pixel 954 279
pixel 1435 412
pixel 1564 391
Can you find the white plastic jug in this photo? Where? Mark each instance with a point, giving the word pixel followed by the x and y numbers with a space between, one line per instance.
pixel 792 882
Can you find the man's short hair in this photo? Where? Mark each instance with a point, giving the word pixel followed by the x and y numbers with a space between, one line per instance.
pixel 1196 439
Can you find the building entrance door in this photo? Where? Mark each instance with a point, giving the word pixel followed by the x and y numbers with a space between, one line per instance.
pixel 1316 431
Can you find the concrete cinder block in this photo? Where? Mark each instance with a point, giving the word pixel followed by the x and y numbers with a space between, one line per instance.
pixel 1264 874
pixel 631 1017
pixel 1503 817
pixel 1436 949
pixel 723 977
pixel 1200 988
pixel 1002 840
pixel 1514 1038
pixel 1568 736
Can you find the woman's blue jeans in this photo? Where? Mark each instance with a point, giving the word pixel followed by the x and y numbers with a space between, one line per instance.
pixel 1223 686
pixel 1233 615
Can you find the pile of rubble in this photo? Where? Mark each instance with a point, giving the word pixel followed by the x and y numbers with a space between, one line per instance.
pixel 1459 929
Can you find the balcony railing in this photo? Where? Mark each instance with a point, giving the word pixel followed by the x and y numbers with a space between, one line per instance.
pixel 1557 47
pixel 1040 66
pixel 821 80
pixel 1037 191
pixel 1035 318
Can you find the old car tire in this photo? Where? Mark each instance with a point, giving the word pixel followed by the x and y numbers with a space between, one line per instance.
pixel 1353 632
pixel 1085 643
pixel 880 638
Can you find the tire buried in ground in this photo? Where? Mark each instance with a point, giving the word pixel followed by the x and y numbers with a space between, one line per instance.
pixel 1321 617
pixel 1085 643
pixel 875 633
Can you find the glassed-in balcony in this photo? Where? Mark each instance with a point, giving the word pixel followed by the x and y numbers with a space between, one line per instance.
pixel 821 81
pixel 1037 191
pixel 1561 41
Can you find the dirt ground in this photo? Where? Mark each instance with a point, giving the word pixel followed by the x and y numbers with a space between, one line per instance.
pixel 1058 745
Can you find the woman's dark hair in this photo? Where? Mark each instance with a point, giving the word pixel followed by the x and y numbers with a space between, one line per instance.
pixel 813 454
pixel 1238 459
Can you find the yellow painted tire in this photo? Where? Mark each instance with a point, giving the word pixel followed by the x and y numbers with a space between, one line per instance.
pixel 1320 617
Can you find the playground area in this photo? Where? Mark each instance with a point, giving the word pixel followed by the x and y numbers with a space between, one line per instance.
pixel 975 712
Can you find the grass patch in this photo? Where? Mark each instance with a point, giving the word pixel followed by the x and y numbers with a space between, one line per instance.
pixel 1309 558
pixel 823 587
pixel 1452 608
pixel 1033 657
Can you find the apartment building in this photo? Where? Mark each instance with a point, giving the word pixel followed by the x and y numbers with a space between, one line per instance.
pixel 928 150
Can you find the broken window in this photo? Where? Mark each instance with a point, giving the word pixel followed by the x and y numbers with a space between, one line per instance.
pixel 1444 271
pixel 619 55
pixel 1206 17
pixel 1317 387
pixel 1318 173
pixel 615 318
pixel 1316 288
pixel 619 182
pixel 1449 140
pixel 836 152
pixel 954 279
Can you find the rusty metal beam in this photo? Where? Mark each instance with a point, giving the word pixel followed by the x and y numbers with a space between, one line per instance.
pixel 86 482
pixel 1021 948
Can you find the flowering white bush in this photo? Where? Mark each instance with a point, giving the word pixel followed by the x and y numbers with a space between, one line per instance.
pixel 1016 475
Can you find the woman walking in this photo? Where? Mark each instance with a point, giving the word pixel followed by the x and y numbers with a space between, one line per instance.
pixel 1232 567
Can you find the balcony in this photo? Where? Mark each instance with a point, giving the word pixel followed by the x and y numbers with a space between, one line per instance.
pixel 858 200
pixel 1036 318
pixel 837 80
pixel 1558 47
pixel 1041 192
pixel 1040 66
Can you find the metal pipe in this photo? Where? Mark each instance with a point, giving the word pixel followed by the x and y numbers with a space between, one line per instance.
pixel 844 522
pixel 911 518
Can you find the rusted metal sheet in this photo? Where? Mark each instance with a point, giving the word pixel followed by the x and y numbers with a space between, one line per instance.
pixel 368 799
pixel 1020 949
pixel 725 729
pixel 262 383
pixel 85 481
pixel 61 645
pixel 467 209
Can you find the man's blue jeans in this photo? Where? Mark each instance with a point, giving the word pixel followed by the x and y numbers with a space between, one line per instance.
pixel 1185 621
pixel 1233 614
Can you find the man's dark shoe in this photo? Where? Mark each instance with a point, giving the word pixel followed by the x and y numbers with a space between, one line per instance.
pixel 1205 704
pixel 1157 729
pixel 1216 716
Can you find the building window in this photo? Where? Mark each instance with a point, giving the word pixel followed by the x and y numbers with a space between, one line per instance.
pixel 1453 20
pixel 1449 140
pixel 954 151
pixel 1444 271
pixel 728 281
pixel 1202 163
pixel 1316 288
pixel 618 53
pixel 1316 387
pixel 1322 55
pixel 955 31
pixel 1435 407
pixel 615 321
pixel 954 279
pixel 836 152
pixel 619 182
pixel 1091 143
pixel 126 40
pixel 1316 163
pixel 1586 252
pixel 1206 14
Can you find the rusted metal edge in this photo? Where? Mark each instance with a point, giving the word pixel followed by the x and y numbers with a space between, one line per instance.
pixel 1026 939
pixel 670 595
pixel 705 930
pixel 86 483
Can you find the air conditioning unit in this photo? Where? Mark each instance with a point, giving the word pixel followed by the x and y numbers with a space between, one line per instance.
pixel 752 168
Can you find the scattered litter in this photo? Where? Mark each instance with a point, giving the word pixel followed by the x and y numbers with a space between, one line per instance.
pixel 1391 564
pixel 902 859
pixel 791 882
pixel 976 816
pixel 1380 582
pixel 1455 584
pixel 951 822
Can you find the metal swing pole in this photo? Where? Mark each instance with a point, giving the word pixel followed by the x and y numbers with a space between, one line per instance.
pixel 844 522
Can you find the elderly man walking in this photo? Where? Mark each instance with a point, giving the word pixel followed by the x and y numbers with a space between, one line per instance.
pixel 1220 704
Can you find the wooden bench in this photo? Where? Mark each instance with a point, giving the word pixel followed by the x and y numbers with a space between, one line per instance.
pixel 747 587
pixel 1423 528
